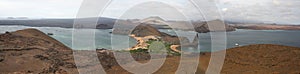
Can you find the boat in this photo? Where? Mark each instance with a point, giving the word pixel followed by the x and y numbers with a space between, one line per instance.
pixel 50 34
pixel 236 44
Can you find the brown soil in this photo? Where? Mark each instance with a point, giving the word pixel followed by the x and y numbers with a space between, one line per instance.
pixel 252 59
pixel 262 59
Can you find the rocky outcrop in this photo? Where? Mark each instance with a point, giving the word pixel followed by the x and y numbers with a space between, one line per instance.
pixel 144 32
pixel 147 30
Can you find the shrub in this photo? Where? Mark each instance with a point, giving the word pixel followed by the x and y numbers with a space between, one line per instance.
pixel 139 50
pixel 167 47
pixel 150 41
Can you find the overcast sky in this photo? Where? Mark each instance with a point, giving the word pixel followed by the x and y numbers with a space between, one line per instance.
pixel 277 11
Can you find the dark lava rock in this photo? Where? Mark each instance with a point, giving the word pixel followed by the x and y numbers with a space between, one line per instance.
pixel 7 32
pixel 69 65
pixel 41 57
pixel 16 54
pixel 1 58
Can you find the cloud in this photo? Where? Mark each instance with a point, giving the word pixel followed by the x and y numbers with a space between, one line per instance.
pixel 118 7
pixel 264 10
pixel 275 11
pixel 39 8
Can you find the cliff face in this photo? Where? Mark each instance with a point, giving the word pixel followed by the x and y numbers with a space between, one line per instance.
pixel 147 30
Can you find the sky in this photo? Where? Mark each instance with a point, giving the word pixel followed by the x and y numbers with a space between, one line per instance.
pixel 269 11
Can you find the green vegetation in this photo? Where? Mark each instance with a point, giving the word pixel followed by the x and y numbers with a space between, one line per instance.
pixel 139 50
pixel 150 41
pixel 120 50
pixel 169 50
pixel 157 46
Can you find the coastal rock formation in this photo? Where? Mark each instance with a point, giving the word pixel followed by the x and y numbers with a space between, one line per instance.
pixel 142 33
pixel 147 30
pixel 142 41
pixel 143 30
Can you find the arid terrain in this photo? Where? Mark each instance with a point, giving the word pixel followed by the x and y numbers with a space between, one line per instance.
pixel 31 51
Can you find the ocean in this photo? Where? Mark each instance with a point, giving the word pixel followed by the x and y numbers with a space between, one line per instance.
pixel 240 36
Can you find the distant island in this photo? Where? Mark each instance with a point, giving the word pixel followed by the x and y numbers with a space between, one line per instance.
pixel 267 27
pixel 155 21
pixel 108 23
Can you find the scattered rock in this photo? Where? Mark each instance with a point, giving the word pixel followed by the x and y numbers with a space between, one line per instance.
pixel 41 57
pixel 16 54
pixel 7 32
pixel 69 65
pixel 1 58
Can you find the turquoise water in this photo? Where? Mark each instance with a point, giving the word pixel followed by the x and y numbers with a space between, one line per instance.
pixel 242 37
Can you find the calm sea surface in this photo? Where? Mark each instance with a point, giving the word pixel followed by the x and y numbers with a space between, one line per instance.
pixel 242 37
